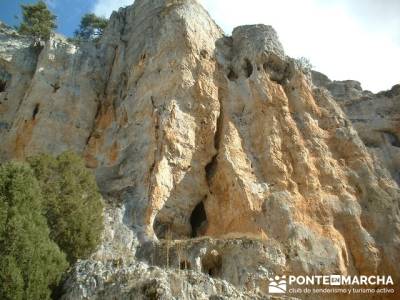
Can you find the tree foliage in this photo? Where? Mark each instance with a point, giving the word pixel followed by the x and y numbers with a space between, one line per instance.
pixel 38 21
pixel 73 205
pixel 91 27
pixel 303 63
pixel 30 261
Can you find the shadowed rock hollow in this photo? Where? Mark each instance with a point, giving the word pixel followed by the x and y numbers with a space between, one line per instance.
pixel 212 152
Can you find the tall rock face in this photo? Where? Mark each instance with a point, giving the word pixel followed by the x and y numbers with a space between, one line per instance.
pixel 213 153
pixel 376 117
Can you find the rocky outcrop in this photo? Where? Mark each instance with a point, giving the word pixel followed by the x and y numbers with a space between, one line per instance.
pixel 376 117
pixel 212 152
pixel 95 280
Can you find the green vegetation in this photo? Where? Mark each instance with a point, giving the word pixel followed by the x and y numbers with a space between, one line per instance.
pixel 304 64
pixel 46 205
pixel 73 206
pixel 91 27
pixel 30 261
pixel 38 21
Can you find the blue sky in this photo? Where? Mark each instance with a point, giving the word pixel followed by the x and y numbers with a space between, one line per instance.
pixel 344 39
pixel 68 13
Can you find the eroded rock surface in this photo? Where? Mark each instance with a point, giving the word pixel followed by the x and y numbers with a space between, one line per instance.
pixel 95 280
pixel 217 151
pixel 376 117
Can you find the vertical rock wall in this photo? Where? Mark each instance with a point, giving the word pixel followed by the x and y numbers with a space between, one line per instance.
pixel 192 133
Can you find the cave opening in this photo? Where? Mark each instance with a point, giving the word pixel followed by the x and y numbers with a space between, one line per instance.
pixel 232 76
pixel 3 85
pixel 211 264
pixel 277 69
pixel 35 111
pixel 198 220
pixel 248 67
pixel 185 265
pixel 392 139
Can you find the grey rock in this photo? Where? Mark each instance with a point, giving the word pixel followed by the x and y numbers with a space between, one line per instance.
pixel 374 116
pixel 210 151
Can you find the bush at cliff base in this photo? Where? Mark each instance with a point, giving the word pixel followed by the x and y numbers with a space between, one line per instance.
pixel 30 262
pixel 73 205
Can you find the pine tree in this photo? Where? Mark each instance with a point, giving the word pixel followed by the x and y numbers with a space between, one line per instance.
pixel 72 203
pixel 30 262
pixel 38 21
pixel 91 27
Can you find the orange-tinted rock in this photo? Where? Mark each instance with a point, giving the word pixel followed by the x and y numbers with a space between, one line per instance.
pixel 173 115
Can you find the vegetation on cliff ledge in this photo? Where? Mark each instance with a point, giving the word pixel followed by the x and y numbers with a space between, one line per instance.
pixel 37 21
pixel 91 27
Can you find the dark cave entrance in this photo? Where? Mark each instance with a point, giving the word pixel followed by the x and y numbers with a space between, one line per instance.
pixel 185 265
pixel 35 111
pixel 198 220
pixel 3 85
pixel 232 76
pixel 211 264
pixel 247 67
pixel 172 225
pixel 392 138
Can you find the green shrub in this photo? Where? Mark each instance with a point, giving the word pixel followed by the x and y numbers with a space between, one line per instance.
pixel 91 27
pixel 37 21
pixel 30 261
pixel 304 64
pixel 73 205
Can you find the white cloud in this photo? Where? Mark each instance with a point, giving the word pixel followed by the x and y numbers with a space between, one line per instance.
pixel 106 7
pixel 342 40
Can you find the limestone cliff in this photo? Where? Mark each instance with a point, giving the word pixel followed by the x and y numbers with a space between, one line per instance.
pixel 376 117
pixel 213 153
